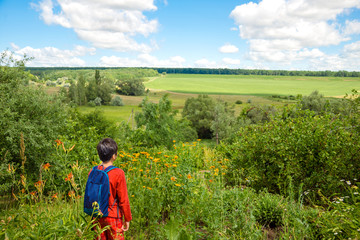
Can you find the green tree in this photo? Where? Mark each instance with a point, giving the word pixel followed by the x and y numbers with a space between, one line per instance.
pixel 132 87
pixel 157 125
pixel 26 110
pixel 80 87
pixel 224 121
pixel 200 112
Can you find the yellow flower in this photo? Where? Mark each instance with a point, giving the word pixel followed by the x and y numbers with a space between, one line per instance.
pixel 174 141
pixel 149 188
pixel 174 165
pixel 177 184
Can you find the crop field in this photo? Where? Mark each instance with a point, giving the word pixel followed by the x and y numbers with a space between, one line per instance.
pixel 254 85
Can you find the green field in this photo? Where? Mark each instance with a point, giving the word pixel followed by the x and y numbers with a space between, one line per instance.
pixel 254 85
pixel 230 88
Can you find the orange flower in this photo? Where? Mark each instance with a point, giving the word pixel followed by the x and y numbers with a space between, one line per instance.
pixel 71 194
pixel 178 185
pixel 71 148
pixel 173 179
pixel 38 183
pixel 189 176
pixel 46 166
pixel 69 177
pixel 33 193
pixel 58 142
pixel 54 196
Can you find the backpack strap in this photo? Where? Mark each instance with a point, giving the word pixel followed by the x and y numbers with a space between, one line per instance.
pixel 108 169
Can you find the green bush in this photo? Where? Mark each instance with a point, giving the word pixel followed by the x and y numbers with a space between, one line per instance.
pixel 117 101
pixel 316 151
pixel 268 210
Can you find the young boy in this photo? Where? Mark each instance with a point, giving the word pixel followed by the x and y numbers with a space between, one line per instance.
pixel 119 206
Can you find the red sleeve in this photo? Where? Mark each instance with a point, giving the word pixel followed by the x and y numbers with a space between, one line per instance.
pixel 122 196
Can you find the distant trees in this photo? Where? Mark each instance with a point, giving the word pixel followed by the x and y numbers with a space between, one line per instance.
pixel 132 87
pixel 157 125
pixel 82 92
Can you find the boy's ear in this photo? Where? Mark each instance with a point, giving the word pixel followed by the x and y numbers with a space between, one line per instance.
pixel 114 156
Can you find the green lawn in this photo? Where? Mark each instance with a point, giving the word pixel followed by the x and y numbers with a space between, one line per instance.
pixel 254 85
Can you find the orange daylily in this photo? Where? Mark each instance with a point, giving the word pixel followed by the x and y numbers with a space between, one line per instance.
pixel 69 177
pixel 46 166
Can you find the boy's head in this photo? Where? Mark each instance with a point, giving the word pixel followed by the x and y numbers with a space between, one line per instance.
pixel 106 148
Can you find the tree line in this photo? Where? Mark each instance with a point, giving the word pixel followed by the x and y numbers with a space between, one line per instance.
pixel 149 72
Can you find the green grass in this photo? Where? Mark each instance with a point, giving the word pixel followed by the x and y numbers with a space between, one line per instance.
pixel 254 85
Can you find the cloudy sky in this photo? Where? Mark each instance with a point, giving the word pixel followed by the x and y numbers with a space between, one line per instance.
pixel 259 34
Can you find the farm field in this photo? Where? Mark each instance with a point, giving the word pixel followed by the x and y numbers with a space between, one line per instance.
pixel 254 85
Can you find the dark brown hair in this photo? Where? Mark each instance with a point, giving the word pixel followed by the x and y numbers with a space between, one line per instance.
pixel 106 148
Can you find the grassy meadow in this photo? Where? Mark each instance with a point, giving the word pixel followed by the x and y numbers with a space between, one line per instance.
pixel 254 85
pixel 230 88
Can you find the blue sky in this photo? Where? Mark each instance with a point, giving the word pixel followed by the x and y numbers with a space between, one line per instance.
pixel 262 34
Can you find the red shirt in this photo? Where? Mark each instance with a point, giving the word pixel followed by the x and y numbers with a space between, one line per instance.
pixel 118 191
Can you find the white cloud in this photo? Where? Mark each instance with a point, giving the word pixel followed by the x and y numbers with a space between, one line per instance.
pixel 205 63
pixel 352 27
pixel 231 61
pixel 142 60
pixel 107 24
pixel 284 30
pixel 228 48
pixel 54 57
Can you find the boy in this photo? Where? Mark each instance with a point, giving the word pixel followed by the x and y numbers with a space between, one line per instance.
pixel 119 206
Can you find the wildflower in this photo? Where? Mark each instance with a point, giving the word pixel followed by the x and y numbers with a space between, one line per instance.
pixel 159 152
pixel 348 182
pixel 33 193
pixel 46 166
pixel 14 196
pixel 174 165
pixel 54 196
pixel 71 194
pixel 174 141
pixel 210 180
pixel 70 149
pixel 212 167
pixel 157 173
pixel 23 180
pixel 23 190
pixel 156 160
pixel 141 170
pixel 198 140
pixel 144 187
pixel 58 142
pixel 38 183
pixel 189 176
pixel 132 195
pixel 69 177
pixel 173 179
pixel 149 188
pixel 356 193
pixel 177 184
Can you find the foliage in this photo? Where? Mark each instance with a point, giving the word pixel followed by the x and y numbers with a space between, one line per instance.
pixel 29 111
pixel 132 87
pixel 316 151
pixel 200 112
pixel 268 211
pixel 97 101
pixel 157 125
pixel 117 101
pixel 258 114
pixel 341 220
pixel 318 103
pixel 224 121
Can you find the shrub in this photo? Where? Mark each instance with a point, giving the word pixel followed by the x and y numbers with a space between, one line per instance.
pixel 97 101
pixel 316 151
pixel 239 102
pixel 117 101
pixel 268 211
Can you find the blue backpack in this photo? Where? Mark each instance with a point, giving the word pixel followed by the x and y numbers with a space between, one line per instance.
pixel 97 192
